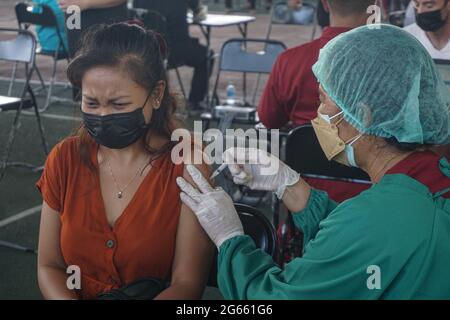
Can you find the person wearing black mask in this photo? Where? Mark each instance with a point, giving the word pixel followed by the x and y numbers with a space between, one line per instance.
pixel 111 204
pixel 432 27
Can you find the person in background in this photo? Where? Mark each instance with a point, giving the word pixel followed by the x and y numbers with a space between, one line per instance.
pixel 183 49
pixel 432 27
pixel 48 37
pixel 301 13
pixel 292 92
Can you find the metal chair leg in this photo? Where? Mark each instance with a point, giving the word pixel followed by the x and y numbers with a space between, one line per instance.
pixel 13 79
pixel 181 83
pixel 315 24
pixel 50 87
pixel 38 119
pixel 12 134
pixel 16 247
pixel 40 79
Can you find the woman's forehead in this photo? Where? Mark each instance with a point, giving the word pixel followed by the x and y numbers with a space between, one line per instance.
pixel 108 80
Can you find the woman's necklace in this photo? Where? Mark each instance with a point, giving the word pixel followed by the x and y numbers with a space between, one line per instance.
pixel 121 191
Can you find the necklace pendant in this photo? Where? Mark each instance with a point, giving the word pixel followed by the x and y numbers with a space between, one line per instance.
pixel 119 195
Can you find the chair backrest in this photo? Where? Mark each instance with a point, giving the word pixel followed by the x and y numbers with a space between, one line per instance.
pixel 304 155
pixel 21 48
pixel 35 14
pixel 236 55
pixel 40 15
pixel 258 227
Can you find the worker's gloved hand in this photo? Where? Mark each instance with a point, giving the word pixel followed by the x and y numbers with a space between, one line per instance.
pixel 213 207
pixel 259 170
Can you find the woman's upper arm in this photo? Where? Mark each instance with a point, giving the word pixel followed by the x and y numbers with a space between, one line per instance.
pixel 49 251
pixel 194 249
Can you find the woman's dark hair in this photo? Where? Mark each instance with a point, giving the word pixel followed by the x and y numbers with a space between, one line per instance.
pixel 140 53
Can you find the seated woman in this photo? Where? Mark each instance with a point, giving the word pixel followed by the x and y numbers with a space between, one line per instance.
pixel 111 204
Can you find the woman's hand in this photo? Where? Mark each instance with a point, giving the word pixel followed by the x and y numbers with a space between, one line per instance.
pixel 213 207
pixel 259 170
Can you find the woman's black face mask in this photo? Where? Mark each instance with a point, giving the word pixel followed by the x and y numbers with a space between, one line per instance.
pixel 432 20
pixel 118 130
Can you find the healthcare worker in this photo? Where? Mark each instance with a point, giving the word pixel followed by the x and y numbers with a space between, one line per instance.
pixel 382 104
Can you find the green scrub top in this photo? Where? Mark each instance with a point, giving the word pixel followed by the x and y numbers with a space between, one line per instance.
pixel 390 242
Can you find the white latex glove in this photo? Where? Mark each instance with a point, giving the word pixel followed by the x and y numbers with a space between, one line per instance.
pixel 259 170
pixel 213 207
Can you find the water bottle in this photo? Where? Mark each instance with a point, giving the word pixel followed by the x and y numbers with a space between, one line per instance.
pixel 231 94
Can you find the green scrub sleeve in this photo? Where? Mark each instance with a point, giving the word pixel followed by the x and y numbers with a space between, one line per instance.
pixel 317 209
pixel 332 267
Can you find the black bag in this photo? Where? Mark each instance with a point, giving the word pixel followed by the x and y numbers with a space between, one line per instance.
pixel 143 289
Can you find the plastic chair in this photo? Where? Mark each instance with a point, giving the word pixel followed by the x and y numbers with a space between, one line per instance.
pixel 237 56
pixel 258 227
pixel 28 14
pixel 19 50
pixel 304 155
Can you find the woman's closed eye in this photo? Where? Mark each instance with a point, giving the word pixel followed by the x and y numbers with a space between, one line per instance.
pixel 91 104
pixel 120 104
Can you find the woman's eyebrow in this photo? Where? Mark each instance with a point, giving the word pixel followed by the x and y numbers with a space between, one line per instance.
pixel 118 98
pixel 89 98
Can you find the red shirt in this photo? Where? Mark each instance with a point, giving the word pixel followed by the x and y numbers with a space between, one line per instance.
pixel 292 90
pixel 425 168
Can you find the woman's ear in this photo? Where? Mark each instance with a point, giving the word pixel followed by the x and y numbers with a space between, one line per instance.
pixel 158 94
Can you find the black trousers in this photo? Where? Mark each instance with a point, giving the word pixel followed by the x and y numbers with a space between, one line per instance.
pixel 191 53
pixel 323 17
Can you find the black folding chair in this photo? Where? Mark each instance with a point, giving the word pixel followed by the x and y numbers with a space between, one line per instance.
pixel 41 15
pixel 19 50
pixel 280 15
pixel 258 227
pixel 304 155
pixel 238 55
pixel 155 21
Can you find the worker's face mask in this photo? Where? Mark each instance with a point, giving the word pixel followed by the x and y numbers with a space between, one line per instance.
pixel 118 130
pixel 431 20
pixel 332 145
